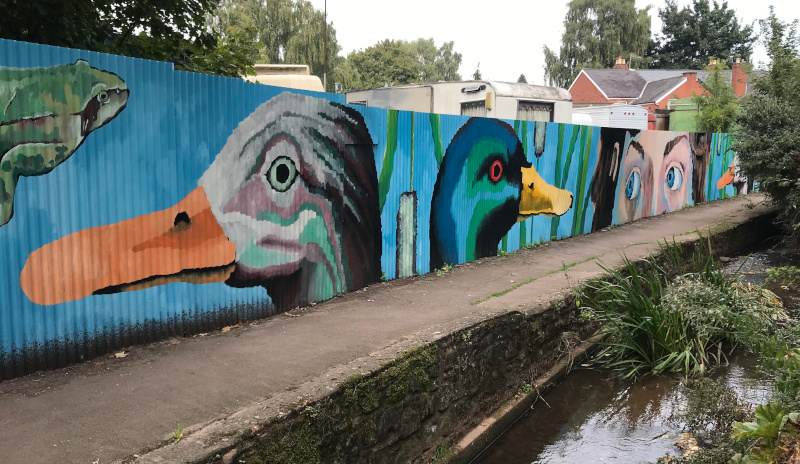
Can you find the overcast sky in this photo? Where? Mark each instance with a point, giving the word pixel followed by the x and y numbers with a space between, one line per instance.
pixel 505 36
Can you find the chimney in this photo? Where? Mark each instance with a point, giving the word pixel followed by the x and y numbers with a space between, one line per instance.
pixel 691 77
pixel 712 64
pixel 620 63
pixel 738 77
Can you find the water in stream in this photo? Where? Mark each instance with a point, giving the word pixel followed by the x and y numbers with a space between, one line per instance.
pixel 595 417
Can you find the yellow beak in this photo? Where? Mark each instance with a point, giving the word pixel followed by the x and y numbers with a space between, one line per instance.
pixel 539 197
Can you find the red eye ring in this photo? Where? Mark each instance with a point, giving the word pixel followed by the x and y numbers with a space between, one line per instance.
pixel 496 171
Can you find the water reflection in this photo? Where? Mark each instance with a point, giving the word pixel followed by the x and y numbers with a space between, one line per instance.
pixel 595 417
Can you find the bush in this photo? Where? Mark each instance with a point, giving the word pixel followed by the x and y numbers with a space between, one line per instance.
pixel 651 327
pixel 767 141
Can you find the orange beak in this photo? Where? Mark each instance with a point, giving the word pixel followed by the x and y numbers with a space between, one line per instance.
pixel 727 178
pixel 183 243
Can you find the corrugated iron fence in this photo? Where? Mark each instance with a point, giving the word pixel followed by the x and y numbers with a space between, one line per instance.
pixel 138 202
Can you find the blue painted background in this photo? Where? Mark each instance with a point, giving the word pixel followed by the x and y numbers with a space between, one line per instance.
pixel 151 156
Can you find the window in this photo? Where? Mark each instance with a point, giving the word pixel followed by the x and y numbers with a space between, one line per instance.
pixel 535 111
pixel 474 108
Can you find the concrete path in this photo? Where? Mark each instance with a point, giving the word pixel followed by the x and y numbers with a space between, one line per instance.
pixel 114 409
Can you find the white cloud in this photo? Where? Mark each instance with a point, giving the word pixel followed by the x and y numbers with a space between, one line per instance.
pixel 505 37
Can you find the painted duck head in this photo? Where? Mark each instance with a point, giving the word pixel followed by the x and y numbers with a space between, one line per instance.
pixel 484 186
pixel 290 203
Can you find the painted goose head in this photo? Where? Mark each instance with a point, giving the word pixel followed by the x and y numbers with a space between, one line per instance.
pixel 484 186
pixel 290 204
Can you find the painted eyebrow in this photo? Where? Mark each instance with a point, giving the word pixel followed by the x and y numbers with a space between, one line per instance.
pixel 671 144
pixel 637 146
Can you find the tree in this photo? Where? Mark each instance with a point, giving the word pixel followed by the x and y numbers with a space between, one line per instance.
pixel 767 141
pixel 435 64
pixel 690 36
pixel 595 33
pixel 285 31
pixel 400 62
pixel 448 61
pixel 347 75
pixel 388 62
pixel 476 76
pixel 718 109
pixel 164 30
pixel 521 79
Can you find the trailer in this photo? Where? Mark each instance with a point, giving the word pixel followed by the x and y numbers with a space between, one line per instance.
pixel 493 99
pixel 622 116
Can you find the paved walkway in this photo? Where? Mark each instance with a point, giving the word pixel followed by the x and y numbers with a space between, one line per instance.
pixel 111 409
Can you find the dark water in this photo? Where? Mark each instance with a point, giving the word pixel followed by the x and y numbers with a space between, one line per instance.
pixel 595 417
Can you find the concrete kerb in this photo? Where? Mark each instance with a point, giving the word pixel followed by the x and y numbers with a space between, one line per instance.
pixel 213 439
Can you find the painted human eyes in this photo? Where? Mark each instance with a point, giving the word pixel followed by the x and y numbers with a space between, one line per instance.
pixel 674 178
pixel 282 174
pixel 634 185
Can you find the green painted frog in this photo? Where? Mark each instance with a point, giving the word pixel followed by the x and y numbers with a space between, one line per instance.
pixel 46 115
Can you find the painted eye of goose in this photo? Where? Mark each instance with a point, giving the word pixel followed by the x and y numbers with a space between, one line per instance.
pixel 674 178
pixel 633 185
pixel 102 97
pixel 496 171
pixel 282 173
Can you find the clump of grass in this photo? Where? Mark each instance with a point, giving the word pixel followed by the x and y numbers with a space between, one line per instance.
pixel 784 275
pixel 711 410
pixel 651 326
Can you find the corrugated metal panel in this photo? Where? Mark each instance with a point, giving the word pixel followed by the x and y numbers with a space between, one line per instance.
pixel 150 203
pixel 627 117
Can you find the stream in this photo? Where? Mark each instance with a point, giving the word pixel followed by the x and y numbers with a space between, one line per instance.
pixel 594 416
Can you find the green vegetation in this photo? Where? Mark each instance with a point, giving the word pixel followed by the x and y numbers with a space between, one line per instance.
pixel 595 33
pixel 717 111
pixel 178 433
pixel 652 325
pixel 692 35
pixel 163 30
pixel 658 317
pixel 767 141
pixel 785 275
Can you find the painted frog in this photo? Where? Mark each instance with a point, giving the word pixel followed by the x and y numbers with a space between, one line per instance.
pixel 46 115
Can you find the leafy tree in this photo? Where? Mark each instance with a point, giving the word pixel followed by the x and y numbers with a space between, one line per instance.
pixel 476 76
pixel 284 31
pixel 521 79
pixel 595 33
pixel 347 75
pixel 447 62
pixel 387 62
pixel 164 30
pixel 767 140
pixel 400 62
pixel 691 35
pixel 717 110
pixel 435 64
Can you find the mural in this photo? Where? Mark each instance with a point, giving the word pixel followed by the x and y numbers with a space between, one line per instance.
pixel 47 113
pixel 209 200
pixel 289 204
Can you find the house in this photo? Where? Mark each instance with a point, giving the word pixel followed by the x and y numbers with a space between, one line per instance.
pixel 651 88
pixel 490 99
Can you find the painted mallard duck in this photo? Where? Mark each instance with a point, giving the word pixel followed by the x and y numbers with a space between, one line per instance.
pixel 290 204
pixel 484 186
pixel 46 115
